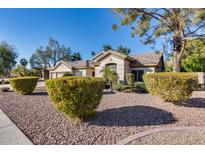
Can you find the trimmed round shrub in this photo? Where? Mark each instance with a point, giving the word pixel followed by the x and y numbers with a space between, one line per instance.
pixel 130 78
pixel 76 97
pixel 24 85
pixel 171 86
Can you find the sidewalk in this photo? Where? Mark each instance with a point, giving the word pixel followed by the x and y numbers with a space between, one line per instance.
pixel 10 134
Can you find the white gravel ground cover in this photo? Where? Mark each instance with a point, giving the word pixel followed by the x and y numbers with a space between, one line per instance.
pixel 118 116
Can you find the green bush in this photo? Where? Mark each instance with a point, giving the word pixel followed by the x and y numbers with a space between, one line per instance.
pixel 171 86
pixel 67 74
pixel 76 97
pixel 130 78
pixel 126 87
pixel 140 87
pixel 24 85
pixel 117 87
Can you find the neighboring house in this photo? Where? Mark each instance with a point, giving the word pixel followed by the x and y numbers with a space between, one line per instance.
pixel 122 64
pixel 77 68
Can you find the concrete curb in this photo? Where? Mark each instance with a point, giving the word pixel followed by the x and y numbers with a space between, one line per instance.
pixel 10 134
pixel 131 138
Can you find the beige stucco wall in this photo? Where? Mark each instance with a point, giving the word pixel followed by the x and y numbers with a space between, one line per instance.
pixel 58 72
pixel 89 72
pixel 80 70
pixel 146 69
pixel 112 59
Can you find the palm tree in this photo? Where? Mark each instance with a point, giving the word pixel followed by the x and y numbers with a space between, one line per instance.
pixel 110 76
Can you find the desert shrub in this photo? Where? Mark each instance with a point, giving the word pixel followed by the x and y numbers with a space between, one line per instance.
pixel 117 87
pixel 130 78
pixel 126 87
pixel 77 97
pixel 24 85
pixel 171 86
pixel 33 72
pixel 21 71
pixel 139 87
pixel 67 74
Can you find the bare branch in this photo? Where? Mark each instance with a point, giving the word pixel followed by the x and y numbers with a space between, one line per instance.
pixel 147 13
pixel 165 9
pixel 195 30
pixel 200 36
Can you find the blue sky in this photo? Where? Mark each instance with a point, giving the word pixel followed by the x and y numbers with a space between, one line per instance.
pixel 84 30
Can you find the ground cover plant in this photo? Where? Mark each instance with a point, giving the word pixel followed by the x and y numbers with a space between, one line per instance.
pixel 24 85
pixel 77 97
pixel 171 86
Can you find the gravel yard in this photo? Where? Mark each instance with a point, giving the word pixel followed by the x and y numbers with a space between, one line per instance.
pixel 173 138
pixel 118 116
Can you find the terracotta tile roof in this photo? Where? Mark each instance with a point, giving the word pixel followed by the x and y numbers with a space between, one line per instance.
pixel 79 63
pixel 147 58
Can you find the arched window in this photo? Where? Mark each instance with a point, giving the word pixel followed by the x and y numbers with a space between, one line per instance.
pixel 112 67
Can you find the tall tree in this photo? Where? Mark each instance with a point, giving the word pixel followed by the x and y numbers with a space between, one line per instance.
pixel 107 47
pixel 50 55
pixel 123 50
pixel 175 26
pixel 57 52
pixel 8 57
pixel 76 56
pixel 23 62
pixel 40 59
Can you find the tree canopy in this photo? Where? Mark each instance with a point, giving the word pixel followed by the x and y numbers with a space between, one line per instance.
pixel 123 50
pixel 175 26
pixel 194 57
pixel 8 57
pixel 51 54
pixel 23 62
pixel 107 47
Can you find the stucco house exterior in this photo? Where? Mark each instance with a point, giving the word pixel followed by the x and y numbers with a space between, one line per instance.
pixel 77 68
pixel 122 64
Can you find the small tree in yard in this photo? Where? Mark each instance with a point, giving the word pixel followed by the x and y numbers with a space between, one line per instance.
pixel 110 76
pixel 175 26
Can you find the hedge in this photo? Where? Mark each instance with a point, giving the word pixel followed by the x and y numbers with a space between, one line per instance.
pixel 76 97
pixel 171 86
pixel 24 85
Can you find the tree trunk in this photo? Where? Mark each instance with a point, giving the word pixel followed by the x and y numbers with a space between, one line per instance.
pixel 178 47
pixel 111 89
pixel 176 62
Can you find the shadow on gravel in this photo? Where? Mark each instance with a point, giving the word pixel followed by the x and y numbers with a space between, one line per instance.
pixel 194 102
pixel 132 116
pixel 39 93
pixel 108 92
